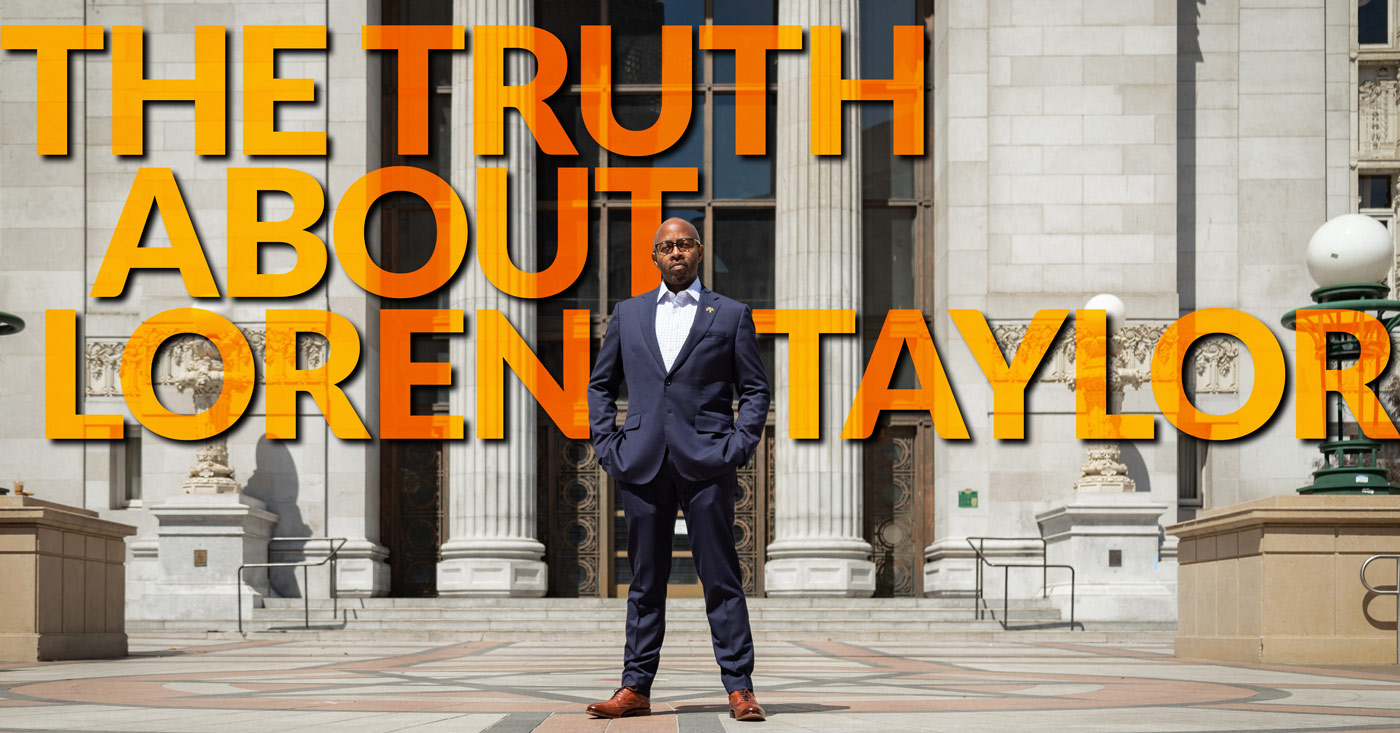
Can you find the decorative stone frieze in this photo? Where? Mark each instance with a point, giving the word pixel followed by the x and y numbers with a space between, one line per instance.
pixel 103 359
pixel 1214 358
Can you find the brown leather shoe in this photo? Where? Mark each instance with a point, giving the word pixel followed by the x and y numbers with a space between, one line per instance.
pixel 743 706
pixel 625 703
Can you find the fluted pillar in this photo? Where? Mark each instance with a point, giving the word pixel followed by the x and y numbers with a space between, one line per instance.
pixel 818 548
pixel 491 549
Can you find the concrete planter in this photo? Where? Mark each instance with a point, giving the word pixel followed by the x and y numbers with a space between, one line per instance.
pixel 62 582
pixel 1278 581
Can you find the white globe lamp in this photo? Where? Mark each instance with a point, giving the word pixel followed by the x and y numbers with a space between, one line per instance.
pixel 1351 248
pixel 1110 303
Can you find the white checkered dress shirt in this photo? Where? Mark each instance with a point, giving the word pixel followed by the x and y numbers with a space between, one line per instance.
pixel 675 313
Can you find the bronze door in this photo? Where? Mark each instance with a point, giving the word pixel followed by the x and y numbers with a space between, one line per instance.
pixel 572 507
pixel 898 517
pixel 586 537
pixel 410 513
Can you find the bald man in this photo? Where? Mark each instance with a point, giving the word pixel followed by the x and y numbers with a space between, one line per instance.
pixel 685 352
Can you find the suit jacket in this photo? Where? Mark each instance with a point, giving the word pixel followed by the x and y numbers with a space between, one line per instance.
pixel 687 409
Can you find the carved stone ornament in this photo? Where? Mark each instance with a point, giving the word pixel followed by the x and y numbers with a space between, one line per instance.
pixel 1214 358
pixel 103 360
pixel 190 363
pixel 196 366
pixel 1104 472
pixel 1377 100
pixel 1130 353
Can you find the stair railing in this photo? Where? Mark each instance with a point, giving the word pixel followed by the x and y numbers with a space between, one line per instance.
pixel 978 603
pixel 335 544
pixel 1395 593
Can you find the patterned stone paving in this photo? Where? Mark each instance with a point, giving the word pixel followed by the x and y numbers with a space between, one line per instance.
pixel 513 687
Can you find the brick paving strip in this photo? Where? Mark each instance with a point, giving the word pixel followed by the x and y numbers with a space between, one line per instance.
pixel 273 685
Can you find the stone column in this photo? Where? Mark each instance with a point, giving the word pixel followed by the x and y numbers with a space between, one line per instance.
pixel 491 548
pixel 818 548
pixel 352 466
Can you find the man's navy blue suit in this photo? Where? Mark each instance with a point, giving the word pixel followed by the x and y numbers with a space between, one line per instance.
pixel 679 448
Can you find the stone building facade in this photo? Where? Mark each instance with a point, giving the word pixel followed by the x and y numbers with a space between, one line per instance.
pixel 1175 153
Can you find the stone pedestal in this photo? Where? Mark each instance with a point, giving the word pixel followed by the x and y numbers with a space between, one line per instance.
pixel 1113 541
pixel 1277 581
pixel 830 566
pixel 202 541
pixel 62 583
pixel 493 567
pixel 950 569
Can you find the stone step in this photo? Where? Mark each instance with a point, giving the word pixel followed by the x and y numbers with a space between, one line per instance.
pixel 578 604
pixel 985 632
pixel 550 615
pixel 613 624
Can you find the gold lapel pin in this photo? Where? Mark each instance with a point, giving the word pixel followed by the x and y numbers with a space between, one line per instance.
pixel 709 309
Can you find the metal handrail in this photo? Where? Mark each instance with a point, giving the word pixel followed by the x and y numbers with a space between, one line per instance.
pixel 1395 593
pixel 305 585
pixel 977 602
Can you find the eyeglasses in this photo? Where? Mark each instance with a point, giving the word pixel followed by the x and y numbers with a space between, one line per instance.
pixel 684 245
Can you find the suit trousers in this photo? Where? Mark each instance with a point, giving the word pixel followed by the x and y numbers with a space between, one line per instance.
pixel 650 513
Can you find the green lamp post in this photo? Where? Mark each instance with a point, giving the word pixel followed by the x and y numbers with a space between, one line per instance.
pixel 9 324
pixel 1347 257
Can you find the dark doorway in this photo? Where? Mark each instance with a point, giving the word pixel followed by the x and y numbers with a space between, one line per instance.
pixel 411 480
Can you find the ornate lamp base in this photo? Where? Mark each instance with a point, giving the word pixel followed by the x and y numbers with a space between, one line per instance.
pixel 1104 472
pixel 211 473
pixel 1349 467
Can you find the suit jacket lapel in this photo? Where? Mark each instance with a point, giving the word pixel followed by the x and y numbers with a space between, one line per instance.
pixel 648 327
pixel 704 316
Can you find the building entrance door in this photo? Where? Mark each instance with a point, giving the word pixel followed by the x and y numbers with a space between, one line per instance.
pixel 410 513
pixel 898 517
pixel 587 535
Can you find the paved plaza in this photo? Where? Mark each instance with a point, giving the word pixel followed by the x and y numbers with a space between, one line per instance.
pixel 1052 682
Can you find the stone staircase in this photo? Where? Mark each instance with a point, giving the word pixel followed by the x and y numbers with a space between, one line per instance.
pixel 594 619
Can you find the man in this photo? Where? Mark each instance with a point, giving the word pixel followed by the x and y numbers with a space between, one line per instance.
pixel 683 351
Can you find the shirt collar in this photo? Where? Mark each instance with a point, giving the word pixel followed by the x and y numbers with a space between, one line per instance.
pixel 694 290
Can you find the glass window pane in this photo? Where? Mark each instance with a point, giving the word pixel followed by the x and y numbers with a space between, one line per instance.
pixel 438 158
pixel 563 18
pixel 440 67
pixel 639 112
pixel 440 145
pixel 876 22
pixel 741 176
pixel 743 12
pixel 883 174
pixel 584 292
pixel 1372 23
pixel 133 464
pixel 742 253
pixel 636 35
pixel 1375 192
pixel 887 281
pixel 620 243
pixel 428 347
pixel 427 12
pixel 569 112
